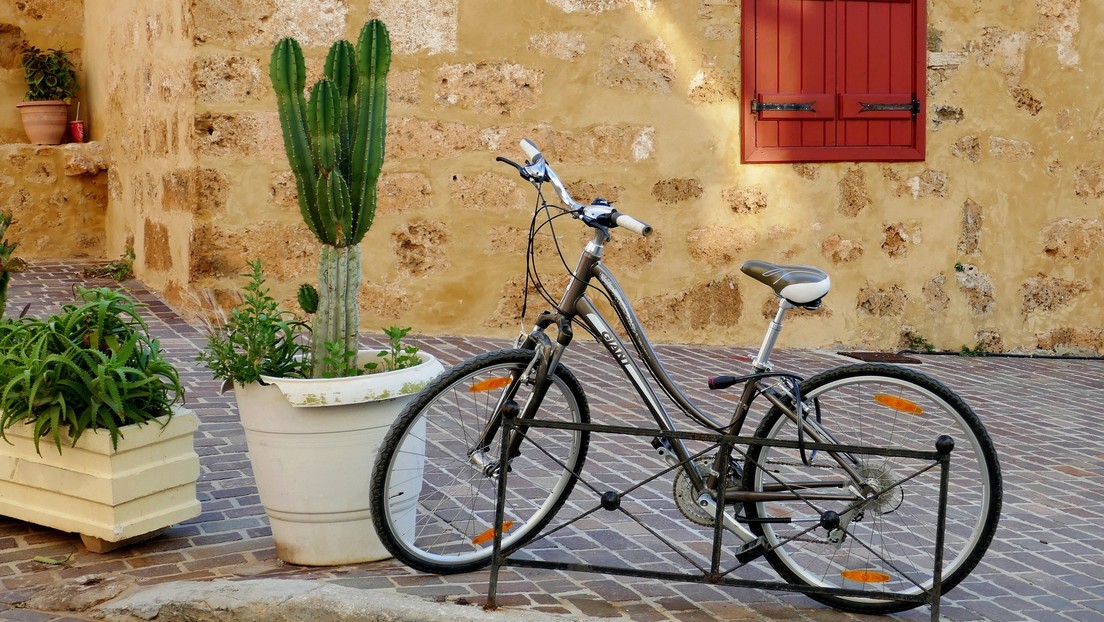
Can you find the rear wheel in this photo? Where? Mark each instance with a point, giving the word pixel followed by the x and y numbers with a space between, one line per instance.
pixel 885 542
pixel 434 492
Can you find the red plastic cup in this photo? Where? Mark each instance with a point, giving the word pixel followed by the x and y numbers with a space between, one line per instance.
pixel 76 131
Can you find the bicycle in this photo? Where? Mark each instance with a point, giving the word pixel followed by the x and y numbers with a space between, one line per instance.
pixel 821 518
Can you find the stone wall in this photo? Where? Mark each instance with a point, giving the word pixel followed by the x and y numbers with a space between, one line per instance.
pixel 141 91
pixel 57 195
pixel 990 241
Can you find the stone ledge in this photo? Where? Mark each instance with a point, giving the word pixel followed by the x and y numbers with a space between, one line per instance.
pixel 78 158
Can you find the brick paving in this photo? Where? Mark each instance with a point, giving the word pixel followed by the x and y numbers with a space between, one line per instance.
pixel 1047 562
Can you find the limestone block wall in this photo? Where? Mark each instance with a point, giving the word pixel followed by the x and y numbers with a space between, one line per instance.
pixel 142 94
pixel 992 240
pixel 57 195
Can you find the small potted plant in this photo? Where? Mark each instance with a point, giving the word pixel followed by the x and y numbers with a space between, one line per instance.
pixel 314 406
pixel 51 82
pixel 87 413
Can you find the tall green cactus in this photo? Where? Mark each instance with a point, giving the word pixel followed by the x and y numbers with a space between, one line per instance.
pixel 335 142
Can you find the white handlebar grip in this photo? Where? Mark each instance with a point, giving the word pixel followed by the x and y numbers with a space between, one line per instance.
pixel 530 149
pixel 634 225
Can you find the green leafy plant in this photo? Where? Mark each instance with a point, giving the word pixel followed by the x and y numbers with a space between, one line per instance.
pixel 339 361
pixel 258 338
pixel 978 350
pixel 335 143
pixel 92 366
pixel 9 264
pixel 398 355
pixel 919 342
pixel 49 74
pixel 119 270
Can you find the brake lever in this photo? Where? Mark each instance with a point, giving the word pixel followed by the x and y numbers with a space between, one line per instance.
pixel 520 168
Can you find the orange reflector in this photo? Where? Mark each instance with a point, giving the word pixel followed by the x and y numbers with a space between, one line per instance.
pixel 488 535
pixel 865 576
pixel 898 403
pixel 489 384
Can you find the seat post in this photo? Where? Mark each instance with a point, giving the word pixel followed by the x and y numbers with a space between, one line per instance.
pixel 761 362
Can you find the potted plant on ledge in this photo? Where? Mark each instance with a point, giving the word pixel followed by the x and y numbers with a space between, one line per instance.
pixel 315 413
pixel 51 82
pixel 92 441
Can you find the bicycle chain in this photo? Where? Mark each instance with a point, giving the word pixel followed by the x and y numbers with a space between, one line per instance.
pixel 798 464
pixel 858 517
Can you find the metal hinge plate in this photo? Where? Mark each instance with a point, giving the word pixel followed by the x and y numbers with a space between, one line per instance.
pixel 913 107
pixel 758 106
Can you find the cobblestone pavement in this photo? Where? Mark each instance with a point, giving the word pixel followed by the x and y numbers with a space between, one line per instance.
pixel 1047 562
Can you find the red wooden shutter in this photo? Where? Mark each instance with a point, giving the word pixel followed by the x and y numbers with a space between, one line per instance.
pixel 793 68
pixel 829 80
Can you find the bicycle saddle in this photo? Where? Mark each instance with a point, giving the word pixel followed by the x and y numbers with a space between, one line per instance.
pixel 801 285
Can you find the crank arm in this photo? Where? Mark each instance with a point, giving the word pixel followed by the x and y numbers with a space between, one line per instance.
pixel 708 504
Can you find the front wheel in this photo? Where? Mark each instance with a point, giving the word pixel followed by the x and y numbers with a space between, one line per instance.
pixel 434 491
pixel 885 541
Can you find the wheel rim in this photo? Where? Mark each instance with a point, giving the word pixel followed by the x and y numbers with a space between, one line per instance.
pixel 452 521
pixel 891 515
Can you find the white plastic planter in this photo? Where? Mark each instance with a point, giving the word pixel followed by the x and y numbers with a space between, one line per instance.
pixel 110 496
pixel 312 444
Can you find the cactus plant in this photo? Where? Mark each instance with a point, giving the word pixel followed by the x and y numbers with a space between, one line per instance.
pixel 308 298
pixel 334 141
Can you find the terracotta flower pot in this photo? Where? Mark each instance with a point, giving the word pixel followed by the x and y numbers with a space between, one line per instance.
pixel 44 121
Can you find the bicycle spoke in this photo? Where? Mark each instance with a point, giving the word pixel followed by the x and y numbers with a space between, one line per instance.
pixel 436 512
pixel 885 543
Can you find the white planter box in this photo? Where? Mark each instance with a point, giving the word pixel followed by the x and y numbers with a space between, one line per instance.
pixel 111 497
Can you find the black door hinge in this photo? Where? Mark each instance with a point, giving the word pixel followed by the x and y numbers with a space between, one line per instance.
pixel 913 107
pixel 758 106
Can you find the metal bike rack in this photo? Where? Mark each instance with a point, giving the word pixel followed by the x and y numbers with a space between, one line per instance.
pixel 715 575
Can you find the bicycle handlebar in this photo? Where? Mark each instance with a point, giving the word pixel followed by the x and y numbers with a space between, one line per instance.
pixel 538 170
pixel 530 149
pixel 628 222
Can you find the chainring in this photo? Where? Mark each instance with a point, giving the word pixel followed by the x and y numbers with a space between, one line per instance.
pixel 687 499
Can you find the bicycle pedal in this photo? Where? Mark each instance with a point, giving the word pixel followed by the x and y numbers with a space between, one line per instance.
pixel 751 550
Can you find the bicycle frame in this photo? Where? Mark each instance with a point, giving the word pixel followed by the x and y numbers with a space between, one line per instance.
pixel 577 305
pixel 817 510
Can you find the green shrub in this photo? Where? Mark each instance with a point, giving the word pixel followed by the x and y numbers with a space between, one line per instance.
pixel 258 339
pixel 93 366
pixel 49 75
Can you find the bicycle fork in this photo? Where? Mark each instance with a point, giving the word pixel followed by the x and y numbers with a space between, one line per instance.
pixel 537 374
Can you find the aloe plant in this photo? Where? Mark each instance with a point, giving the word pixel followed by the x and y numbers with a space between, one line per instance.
pixel 92 366
pixel 335 141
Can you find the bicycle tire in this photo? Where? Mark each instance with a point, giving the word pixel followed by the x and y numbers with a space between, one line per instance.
pixel 858 405
pixel 448 527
